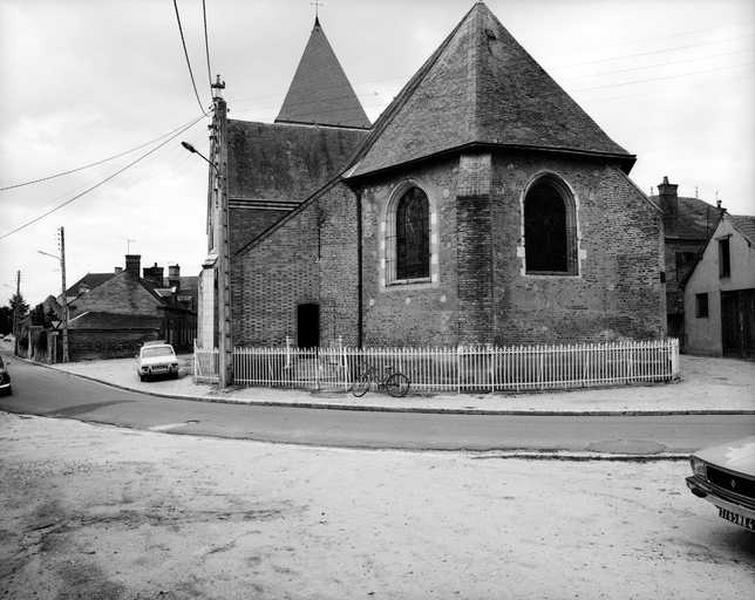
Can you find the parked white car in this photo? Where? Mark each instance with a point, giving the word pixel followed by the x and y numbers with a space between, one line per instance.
pixel 725 476
pixel 156 360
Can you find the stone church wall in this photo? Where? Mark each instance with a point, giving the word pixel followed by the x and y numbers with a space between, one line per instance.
pixel 419 313
pixel 618 291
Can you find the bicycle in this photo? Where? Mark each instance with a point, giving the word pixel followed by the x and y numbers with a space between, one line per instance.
pixel 395 383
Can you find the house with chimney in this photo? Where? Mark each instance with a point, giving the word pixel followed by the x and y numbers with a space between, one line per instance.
pixel 113 314
pixel 687 224
pixel 484 206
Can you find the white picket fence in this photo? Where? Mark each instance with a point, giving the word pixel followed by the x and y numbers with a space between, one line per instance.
pixel 462 369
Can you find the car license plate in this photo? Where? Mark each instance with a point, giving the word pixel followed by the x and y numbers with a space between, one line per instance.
pixel 740 520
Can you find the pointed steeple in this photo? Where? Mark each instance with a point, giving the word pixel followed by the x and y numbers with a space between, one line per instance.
pixel 320 93
pixel 480 87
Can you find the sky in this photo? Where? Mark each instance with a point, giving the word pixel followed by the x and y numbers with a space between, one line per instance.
pixel 84 80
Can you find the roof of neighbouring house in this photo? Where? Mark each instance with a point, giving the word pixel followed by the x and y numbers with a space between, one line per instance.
pixel 480 87
pixel 282 164
pixel 89 281
pixel 745 224
pixel 108 320
pixel 320 92
pixel 694 219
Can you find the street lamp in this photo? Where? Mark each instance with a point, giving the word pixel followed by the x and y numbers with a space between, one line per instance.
pixel 225 344
pixel 193 150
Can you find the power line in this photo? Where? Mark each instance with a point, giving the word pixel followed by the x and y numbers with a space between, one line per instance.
pixel 103 181
pixel 188 62
pixel 93 164
pixel 206 45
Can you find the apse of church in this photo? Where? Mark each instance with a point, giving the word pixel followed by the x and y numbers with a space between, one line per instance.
pixel 479 208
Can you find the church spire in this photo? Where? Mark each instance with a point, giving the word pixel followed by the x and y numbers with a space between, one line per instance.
pixel 320 92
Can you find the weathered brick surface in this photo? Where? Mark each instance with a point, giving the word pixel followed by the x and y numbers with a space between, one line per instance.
pixel 416 314
pixel 618 291
pixel 94 344
pixel 481 293
pixel 246 224
pixel 311 258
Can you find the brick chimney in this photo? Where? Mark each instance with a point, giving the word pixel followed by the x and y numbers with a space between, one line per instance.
pixel 667 197
pixel 154 275
pixel 174 276
pixel 133 264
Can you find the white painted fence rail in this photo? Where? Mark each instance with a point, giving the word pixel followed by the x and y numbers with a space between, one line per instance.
pixel 462 369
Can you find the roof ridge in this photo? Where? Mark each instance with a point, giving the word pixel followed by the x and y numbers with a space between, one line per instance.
pixel 404 94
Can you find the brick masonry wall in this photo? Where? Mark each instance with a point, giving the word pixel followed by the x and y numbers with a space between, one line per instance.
pixel 121 294
pixel 296 265
pixel 618 292
pixel 421 313
pixel 246 224
pixel 93 344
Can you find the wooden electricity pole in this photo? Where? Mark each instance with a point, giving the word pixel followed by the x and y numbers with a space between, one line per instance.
pixel 15 313
pixel 62 248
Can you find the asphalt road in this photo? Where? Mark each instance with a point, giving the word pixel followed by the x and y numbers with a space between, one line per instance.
pixel 50 393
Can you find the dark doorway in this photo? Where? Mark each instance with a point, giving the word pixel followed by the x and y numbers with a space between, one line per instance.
pixel 308 325
pixel 738 323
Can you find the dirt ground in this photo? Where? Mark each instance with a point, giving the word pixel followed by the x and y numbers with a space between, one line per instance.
pixel 98 512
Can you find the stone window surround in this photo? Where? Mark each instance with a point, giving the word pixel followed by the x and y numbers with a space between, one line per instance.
pixel 572 216
pixel 387 237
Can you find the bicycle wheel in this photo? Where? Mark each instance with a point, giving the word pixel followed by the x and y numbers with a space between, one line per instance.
pixel 361 385
pixel 397 385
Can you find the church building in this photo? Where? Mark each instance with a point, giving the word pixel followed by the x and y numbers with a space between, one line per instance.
pixel 484 206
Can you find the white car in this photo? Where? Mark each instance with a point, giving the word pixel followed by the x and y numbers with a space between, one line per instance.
pixel 156 359
pixel 725 476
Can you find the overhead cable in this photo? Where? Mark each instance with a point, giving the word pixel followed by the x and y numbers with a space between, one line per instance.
pixel 188 62
pixel 206 45
pixel 101 182
pixel 93 164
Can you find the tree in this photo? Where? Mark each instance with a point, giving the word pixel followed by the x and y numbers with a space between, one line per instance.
pixel 17 302
pixel 6 319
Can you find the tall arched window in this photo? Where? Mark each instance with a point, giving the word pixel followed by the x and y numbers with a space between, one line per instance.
pixel 550 231
pixel 412 235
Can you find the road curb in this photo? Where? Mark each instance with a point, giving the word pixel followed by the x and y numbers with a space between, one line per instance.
pixel 405 409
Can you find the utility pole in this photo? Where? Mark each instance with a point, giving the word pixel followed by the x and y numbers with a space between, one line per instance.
pixel 220 161
pixel 15 313
pixel 62 248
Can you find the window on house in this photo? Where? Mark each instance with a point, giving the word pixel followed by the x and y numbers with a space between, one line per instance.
pixel 724 260
pixel 701 306
pixel 412 230
pixel 550 235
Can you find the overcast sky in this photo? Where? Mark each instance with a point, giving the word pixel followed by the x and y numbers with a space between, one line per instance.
pixel 670 80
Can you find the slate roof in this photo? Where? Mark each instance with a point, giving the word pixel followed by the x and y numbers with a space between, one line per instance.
pixel 320 92
pixel 745 224
pixel 285 163
pixel 108 320
pixel 481 87
pixel 90 280
pixel 695 219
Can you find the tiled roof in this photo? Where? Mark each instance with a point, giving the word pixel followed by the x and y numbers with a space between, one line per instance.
pixel 320 92
pixel 90 281
pixel 745 224
pixel 481 87
pixel 107 320
pixel 695 219
pixel 284 163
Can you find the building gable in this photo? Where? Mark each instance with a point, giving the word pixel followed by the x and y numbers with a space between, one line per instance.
pixel 123 293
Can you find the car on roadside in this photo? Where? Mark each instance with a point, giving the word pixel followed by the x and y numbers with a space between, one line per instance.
pixel 5 386
pixel 156 360
pixel 724 475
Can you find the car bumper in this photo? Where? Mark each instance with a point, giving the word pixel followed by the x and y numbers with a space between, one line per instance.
pixel 740 511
